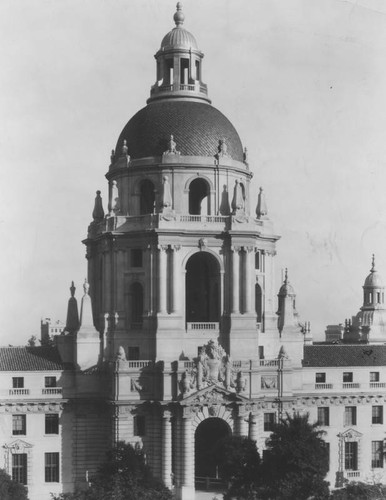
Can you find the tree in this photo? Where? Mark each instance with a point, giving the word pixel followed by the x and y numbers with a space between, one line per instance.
pixel 296 461
pixel 31 342
pixel 11 490
pixel 124 475
pixel 239 462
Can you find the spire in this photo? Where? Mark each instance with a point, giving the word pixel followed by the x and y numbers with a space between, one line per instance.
pixel 261 208
pixel 98 213
pixel 72 321
pixel 88 344
pixel 179 17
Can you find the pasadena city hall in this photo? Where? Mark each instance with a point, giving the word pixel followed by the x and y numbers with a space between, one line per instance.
pixel 181 337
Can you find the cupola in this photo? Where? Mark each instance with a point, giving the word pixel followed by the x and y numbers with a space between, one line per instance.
pixel 373 289
pixel 179 65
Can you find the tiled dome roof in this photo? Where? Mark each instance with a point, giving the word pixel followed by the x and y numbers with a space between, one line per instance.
pixel 197 129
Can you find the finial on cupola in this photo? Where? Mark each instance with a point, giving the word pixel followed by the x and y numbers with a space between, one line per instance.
pixel 72 289
pixel 179 17
pixel 373 264
pixel 98 213
pixel 261 208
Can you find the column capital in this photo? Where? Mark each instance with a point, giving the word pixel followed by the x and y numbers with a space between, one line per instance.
pixel 187 413
pixel 163 247
pixel 176 248
pixel 236 248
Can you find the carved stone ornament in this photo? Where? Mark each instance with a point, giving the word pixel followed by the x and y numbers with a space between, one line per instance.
pixel 213 366
pixel 172 147
pixel 202 243
pixel 17 446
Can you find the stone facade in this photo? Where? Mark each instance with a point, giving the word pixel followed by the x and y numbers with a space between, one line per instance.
pixel 181 336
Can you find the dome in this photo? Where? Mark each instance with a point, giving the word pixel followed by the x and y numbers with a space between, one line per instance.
pixel 373 280
pixel 179 38
pixel 197 129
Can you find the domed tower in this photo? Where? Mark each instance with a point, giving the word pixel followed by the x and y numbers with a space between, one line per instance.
pixel 370 322
pixel 175 261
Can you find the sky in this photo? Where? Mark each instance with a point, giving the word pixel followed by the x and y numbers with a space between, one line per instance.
pixel 303 82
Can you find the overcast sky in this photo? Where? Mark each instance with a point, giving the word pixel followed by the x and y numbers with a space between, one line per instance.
pixel 303 81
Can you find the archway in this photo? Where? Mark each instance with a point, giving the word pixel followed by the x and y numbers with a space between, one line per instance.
pixel 199 197
pixel 208 434
pixel 202 288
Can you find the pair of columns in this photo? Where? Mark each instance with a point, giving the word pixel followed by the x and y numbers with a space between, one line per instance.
pixel 163 282
pixel 242 279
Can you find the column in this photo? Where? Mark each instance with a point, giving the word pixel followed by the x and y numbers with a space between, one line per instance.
pixel 162 279
pixel 177 282
pixel 167 449
pixel 235 281
pixel 253 430
pixel 188 453
pixel 242 422
pixel 249 272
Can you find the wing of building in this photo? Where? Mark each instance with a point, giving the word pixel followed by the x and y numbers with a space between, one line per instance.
pixel 181 337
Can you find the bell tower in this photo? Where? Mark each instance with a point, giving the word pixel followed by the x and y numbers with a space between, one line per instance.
pixel 176 259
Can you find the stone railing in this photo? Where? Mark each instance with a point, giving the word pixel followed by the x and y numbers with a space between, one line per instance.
pixel 202 326
pixel 353 473
pixel 322 387
pixel 351 385
pixel 18 392
pixel 52 391
pixel 269 362
pixel 377 385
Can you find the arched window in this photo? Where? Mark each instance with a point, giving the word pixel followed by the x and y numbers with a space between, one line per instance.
pixel 136 304
pixel 202 288
pixel 147 197
pixel 199 197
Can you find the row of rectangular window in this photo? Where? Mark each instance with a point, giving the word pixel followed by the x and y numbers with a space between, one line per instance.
pixel 350 415
pixel 20 467
pixel 348 377
pixel 18 382
pixel 19 424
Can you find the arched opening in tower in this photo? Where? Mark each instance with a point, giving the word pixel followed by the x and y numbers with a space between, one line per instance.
pixel 207 437
pixel 202 288
pixel 147 197
pixel 199 197
pixel 136 304
pixel 258 303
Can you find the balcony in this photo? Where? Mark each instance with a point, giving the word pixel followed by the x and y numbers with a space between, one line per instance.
pixel 377 385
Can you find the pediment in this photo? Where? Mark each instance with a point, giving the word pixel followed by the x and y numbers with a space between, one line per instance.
pixel 18 446
pixel 350 434
pixel 213 394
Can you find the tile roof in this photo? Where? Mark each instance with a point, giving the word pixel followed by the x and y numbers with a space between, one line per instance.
pixel 345 355
pixel 38 358
pixel 196 127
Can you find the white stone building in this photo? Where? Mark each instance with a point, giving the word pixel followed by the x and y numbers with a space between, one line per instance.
pixel 182 337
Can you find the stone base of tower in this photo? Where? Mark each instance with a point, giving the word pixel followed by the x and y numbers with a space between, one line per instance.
pixel 243 336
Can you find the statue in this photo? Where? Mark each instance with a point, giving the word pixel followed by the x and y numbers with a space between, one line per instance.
pixel 172 147
pixel 186 383
pixel 241 382
pixel 115 203
pixel 121 355
pixel 125 149
pixel 222 148
pixel 86 286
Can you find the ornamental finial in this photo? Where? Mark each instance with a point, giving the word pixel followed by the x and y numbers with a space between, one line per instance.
pixel 179 17
pixel 373 264
pixel 286 275
pixel 72 289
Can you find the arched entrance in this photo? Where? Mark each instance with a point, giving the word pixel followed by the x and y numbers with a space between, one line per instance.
pixel 208 433
pixel 202 288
